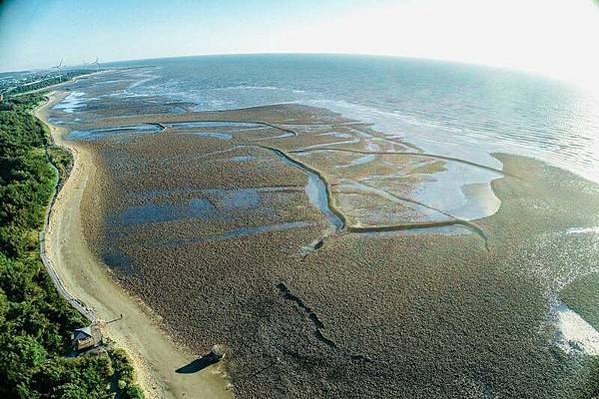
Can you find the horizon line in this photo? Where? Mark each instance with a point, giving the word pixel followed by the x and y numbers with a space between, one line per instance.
pixel 381 55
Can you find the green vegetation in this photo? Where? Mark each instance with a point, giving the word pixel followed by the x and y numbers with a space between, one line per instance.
pixel 42 82
pixel 62 159
pixel 35 322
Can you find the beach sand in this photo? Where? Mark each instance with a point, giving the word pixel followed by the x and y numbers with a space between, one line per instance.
pixel 155 355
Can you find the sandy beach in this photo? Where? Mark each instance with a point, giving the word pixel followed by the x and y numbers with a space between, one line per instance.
pixel 155 355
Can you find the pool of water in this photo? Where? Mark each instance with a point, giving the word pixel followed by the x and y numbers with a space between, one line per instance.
pixel 316 190
pixel 211 135
pixel 115 131
pixel 153 213
pixel 215 124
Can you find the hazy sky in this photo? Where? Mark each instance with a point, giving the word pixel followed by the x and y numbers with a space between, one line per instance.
pixel 555 37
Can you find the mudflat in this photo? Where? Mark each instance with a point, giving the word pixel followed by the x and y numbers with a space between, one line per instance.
pixel 324 273
pixel 332 260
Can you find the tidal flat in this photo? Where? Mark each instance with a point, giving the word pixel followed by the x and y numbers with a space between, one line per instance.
pixel 333 261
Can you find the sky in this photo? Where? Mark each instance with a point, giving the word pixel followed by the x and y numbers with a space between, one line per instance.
pixel 552 37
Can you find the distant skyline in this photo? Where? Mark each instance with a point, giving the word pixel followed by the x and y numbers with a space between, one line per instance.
pixel 552 37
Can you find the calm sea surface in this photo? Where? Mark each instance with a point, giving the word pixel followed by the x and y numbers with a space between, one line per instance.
pixel 445 108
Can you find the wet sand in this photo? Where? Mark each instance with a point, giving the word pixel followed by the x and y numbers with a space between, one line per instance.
pixel 404 299
pixel 155 355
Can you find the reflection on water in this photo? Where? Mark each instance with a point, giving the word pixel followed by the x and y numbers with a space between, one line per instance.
pixel 239 199
pixel 358 161
pixel 574 334
pixel 221 136
pixel 317 193
pixel 460 190
pixel 582 230
pixel 210 125
pixel 152 213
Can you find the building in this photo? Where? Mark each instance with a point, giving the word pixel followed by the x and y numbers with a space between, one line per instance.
pixel 87 337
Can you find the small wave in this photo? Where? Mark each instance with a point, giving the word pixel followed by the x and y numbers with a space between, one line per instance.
pixel 247 87
pixel 582 230
pixel 71 102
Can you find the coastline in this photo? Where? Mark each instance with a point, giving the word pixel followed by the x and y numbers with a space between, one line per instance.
pixel 154 354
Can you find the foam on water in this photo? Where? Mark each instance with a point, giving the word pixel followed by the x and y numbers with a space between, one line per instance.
pixel 72 102
pixel 582 230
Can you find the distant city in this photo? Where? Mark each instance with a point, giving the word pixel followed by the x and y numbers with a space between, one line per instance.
pixel 18 82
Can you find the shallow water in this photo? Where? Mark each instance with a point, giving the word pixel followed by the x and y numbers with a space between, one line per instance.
pixel 221 204
pixel 239 199
pixel 448 190
pixel 317 193
pixel 574 333
pixel 152 213
pixel 583 230
pixel 358 161
pixel 72 102
pixel 446 109
pixel 195 125
pixel 116 131
pixel 211 135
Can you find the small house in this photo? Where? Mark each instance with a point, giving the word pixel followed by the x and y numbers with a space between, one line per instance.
pixel 87 337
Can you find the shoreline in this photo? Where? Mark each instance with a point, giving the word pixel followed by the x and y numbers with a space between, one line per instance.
pixel 154 354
